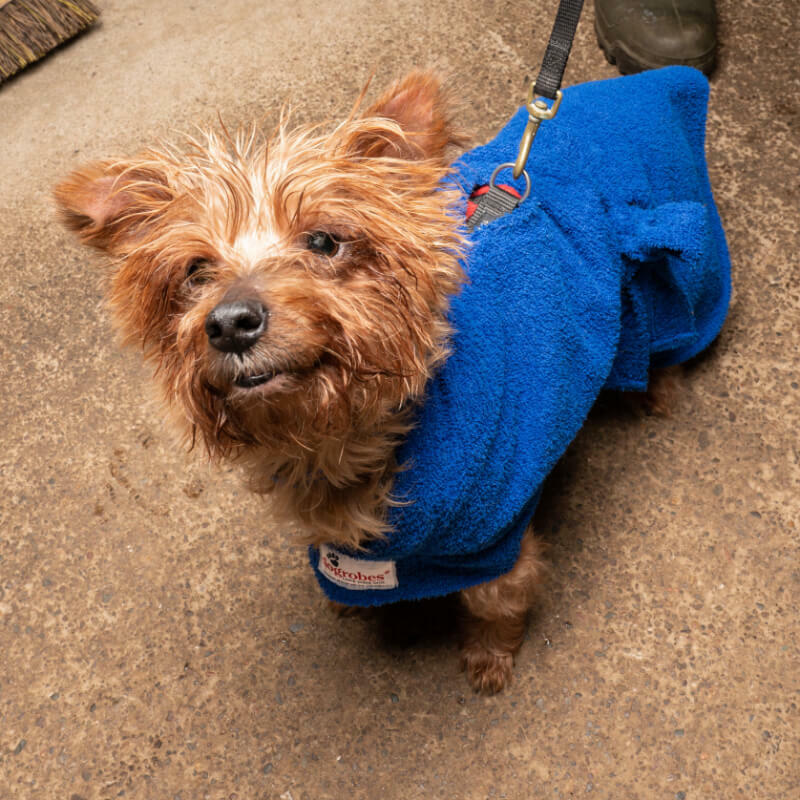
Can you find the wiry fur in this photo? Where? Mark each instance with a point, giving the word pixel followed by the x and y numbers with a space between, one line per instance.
pixel 353 337
pixel 496 614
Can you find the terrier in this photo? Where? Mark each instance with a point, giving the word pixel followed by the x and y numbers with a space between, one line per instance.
pixel 306 305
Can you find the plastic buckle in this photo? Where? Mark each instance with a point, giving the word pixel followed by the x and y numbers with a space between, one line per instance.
pixel 497 201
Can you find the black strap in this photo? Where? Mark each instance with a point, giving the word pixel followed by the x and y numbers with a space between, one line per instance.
pixel 557 53
pixel 496 203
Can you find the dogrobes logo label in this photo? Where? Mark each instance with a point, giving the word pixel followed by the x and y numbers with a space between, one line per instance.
pixel 332 565
pixel 356 573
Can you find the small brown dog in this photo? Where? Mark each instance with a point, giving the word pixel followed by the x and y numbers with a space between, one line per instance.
pixel 293 296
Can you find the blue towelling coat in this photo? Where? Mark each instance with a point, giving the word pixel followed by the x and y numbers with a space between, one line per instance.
pixel 616 263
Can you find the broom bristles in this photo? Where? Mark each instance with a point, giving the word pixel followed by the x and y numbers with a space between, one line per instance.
pixel 31 28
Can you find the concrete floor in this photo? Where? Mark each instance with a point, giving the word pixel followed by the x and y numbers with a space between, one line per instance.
pixel 161 638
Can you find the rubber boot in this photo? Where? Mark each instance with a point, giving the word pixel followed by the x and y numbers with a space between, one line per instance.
pixel 646 34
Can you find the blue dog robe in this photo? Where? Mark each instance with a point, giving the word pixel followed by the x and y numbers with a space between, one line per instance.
pixel 616 262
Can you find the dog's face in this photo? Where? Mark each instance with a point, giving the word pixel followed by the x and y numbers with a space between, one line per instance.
pixel 286 290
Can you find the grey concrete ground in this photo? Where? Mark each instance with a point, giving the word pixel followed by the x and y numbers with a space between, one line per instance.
pixel 161 638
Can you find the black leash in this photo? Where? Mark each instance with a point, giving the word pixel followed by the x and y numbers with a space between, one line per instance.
pixel 499 200
pixel 555 57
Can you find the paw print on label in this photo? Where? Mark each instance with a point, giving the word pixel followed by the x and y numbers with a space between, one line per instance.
pixel 333 558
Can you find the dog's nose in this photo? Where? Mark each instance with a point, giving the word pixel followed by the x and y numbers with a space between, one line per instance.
pixel 236 325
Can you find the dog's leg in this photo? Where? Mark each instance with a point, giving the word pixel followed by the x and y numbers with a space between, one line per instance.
pixel 495 617
pixel 663 390
pixel 341 610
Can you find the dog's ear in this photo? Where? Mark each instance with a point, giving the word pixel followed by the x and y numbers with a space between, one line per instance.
pixel 418 104
pixel 107 202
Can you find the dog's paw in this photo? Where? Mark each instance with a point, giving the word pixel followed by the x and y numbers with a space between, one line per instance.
pixel 488 672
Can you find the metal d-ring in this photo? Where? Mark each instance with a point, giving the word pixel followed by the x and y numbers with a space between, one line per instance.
pixel 511 165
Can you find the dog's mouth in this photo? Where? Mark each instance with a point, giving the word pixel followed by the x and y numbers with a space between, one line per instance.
pixel 277 378
pixel 258 379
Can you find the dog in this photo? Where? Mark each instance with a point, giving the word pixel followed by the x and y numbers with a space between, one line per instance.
pixel 296 295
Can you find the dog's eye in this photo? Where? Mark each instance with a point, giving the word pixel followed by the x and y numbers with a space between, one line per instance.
pixel 322 243
pixel 197 273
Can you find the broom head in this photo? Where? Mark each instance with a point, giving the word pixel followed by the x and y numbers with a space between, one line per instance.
pixel 31 28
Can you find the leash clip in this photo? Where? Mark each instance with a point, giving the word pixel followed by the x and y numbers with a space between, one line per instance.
pixel 497 200
pixel 538 111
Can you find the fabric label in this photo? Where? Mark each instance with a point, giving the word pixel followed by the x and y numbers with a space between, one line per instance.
pixel 356 573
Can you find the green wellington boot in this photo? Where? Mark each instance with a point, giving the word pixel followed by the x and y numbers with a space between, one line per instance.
pixel 647 34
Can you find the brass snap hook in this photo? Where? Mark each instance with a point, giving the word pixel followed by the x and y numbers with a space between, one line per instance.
pixel 538 111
